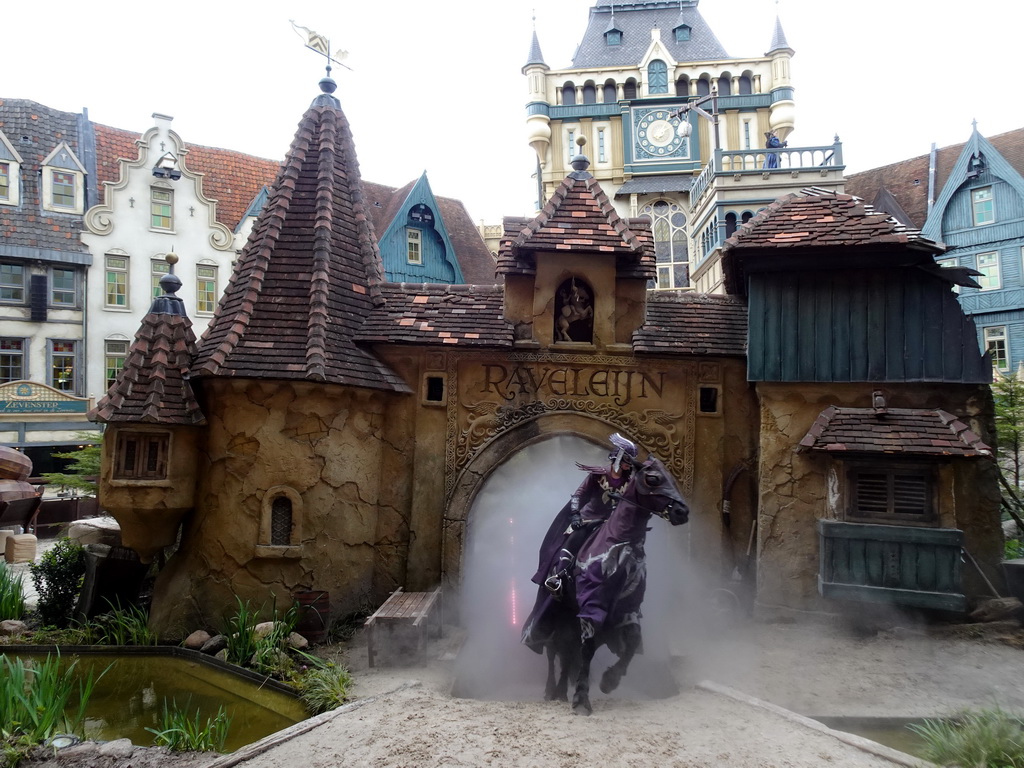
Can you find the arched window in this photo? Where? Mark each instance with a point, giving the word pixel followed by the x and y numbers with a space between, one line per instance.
pixel 730 224
pixel 589 94
pixel 610 94
pixel 683 86
pixel 746 216
pixel 703 87
pixel 657 77
pixel 725 86
pixel 574 312
pixel 744 85
pixel 629 89
pixel 281 521
pixel 569 95
pixel 668 225
pixel 421 214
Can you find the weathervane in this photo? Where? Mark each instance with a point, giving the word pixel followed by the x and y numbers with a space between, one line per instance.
pixel 322 45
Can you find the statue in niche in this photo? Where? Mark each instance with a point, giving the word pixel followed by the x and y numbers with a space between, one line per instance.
pixel 574 312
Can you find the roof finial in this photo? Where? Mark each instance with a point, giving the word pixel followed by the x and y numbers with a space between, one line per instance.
pixel 321 44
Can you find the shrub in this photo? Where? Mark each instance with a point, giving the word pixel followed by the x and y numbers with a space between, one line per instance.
pixel 986 738
pixel 325 686
pixel 181 732
pixel 58 580
pixel 12 594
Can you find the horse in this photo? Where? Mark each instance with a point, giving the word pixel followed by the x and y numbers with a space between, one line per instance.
pixel 602 604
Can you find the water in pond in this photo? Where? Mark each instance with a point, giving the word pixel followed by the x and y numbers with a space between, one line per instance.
pixel 129 698
pixel 891 731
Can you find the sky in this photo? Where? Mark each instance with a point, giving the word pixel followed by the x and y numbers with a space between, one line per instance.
pixel 437 87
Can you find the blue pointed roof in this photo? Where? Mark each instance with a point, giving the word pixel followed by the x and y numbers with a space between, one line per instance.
pixel 779 42
pixel 534 56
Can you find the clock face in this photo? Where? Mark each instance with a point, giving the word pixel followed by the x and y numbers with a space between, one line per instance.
pixel 655 135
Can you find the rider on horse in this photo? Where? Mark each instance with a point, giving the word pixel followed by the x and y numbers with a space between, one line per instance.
pixel 588 507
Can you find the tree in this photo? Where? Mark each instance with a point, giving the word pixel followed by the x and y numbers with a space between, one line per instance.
pixel 81 473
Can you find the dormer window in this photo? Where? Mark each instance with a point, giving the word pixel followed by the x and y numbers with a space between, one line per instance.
pixel 613 37
pixel 10 165
pixel 657 77
pixel 682 33
pixel 983 206
pixel 63 181
pixel 413 246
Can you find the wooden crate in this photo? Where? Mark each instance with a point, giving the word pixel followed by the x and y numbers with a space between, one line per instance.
pixel 416 611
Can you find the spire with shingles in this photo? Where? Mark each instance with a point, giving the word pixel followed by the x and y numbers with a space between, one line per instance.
pixel 535 57
pixel 153 387
pixel 309 274
pixel 779 42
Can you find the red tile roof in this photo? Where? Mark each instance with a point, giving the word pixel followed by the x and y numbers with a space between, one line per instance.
pixel 152 388
pixel 450 315
pixel 685 323
pixel 908 431
pixel 907 180
pixel 309 274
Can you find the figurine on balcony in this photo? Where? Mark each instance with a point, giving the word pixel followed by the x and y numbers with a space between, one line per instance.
pixel 771 159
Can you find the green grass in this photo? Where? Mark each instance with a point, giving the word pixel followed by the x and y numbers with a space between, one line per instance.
pixel 38 700
pixel 12 594
pixel 324 687
pixel 181 732
pixel 986 738
pixel 122 626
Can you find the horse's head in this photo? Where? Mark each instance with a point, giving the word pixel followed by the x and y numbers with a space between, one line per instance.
pixel 656 491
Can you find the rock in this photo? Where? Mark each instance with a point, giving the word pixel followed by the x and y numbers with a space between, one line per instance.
pixel 297 641
pixel 263 629
pixel 117 748
pixel 221 655
pixel 11 627
pixel 197 639
pixel 214 645
pixel 997 609
pixel 96 530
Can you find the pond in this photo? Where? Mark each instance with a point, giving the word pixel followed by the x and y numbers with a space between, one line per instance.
pixel 129 697
pixel 891 731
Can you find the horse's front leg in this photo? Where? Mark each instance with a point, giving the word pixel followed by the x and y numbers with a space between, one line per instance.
pixel 557 689
pixel 581 699
pixel 630 643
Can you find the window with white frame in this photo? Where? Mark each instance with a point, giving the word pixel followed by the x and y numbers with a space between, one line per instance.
pixel 12 283
pixel 161 208
pixel 572 145
pixel 949 264
pixel 5 182
pixel 996 344
pixel 158 268
pixel 116 287
pixel 668 225
pixel 63 287
pixel 206 288
pixel 413 245
pixel 62 189
pixel 63 354
pixel 10 172
pixel 601 151
pixel 115 354
pixel 746 134
pixel 12 360
pixel 63 181
pixel 983 206
pixel 988 265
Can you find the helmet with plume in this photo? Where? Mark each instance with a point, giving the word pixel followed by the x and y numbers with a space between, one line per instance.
pixel 622 448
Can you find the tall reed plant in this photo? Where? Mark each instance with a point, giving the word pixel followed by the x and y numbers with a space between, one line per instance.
pixel 985 738
pixel 241 634
pixel 12 594
pixel 123 626
pixel 180 731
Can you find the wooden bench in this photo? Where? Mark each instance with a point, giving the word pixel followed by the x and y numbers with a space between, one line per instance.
pixel 404 609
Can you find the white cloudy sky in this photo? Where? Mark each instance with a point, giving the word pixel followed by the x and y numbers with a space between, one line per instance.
pixel 436 82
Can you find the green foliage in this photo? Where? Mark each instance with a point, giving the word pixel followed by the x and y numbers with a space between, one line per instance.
pixel 324 686
pixel 986 738
pixel 267 654
pixel 81 474
pixel 12 594
pixel 181 732
pixel 241 634
pixel 1013 549
pixel 1008 397
pixel 58 580
pixel 123 626
pixel 38 700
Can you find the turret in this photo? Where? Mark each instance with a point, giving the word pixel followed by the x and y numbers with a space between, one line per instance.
pixel 783 110
pixel 538 128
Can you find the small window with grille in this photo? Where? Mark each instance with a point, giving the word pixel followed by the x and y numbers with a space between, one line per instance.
pixel 281 521
pixel 141 456
pixel 280 532
pixel 903 493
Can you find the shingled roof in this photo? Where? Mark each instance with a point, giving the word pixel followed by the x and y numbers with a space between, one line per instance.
pixel 578 217
pixel 309 274
pixel 432 313
pixel 818 221
pixel 687 323
pixel 153 387
pixel 909 431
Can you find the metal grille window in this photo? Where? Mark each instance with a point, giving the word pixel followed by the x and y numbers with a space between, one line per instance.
pixel 668 224
pixel 983 206
pixel 141 456
pixel 115 354
pixel 63 287
pixel 12 283
pixel 12 360
pixel 206 288
pixel 62 189
pixel 995 344
pixel 413 251
pixel 116 294
pixel 892 493
pixel 988 265
pixel 281 521
pixel 161 208
pixel 62 364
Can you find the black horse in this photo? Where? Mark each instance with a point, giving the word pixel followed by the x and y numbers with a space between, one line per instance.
pixel 602 605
